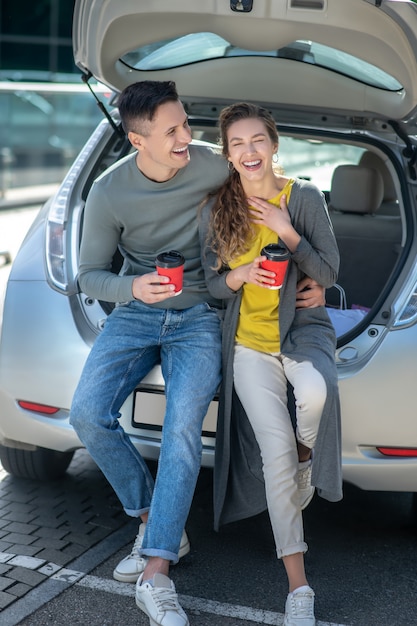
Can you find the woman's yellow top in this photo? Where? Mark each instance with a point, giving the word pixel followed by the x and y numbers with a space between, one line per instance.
pixel 258 318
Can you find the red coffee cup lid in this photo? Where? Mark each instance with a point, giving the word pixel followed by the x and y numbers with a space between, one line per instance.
pixel 173 258
pixel 275 252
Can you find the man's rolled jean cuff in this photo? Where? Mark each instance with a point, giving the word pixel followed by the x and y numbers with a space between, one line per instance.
pixel 162 554
pixel 136 512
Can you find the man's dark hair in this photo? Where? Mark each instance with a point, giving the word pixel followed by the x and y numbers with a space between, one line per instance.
pixel 138 102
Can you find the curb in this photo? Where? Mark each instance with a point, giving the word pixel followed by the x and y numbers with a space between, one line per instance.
pixel 27 196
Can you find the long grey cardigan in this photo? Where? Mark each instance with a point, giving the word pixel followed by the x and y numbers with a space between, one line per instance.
pixel 305 334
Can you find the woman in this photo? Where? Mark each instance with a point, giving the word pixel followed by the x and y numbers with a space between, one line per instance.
pixel 268 342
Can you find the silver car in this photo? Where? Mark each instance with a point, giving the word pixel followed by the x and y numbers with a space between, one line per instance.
pixel 340 79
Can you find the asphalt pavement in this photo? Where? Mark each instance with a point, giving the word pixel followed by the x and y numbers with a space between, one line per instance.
pixel 59 544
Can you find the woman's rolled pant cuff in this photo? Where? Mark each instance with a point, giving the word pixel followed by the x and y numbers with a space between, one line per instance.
pixel 294 549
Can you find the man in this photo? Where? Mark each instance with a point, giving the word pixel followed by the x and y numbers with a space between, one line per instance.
pixel 145 204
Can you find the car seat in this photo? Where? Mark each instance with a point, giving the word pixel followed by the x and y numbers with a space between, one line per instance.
pixel 369 244
pixel 389 205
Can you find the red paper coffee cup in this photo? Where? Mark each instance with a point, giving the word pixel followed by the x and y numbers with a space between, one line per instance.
pixel 277 258
pixel 171 264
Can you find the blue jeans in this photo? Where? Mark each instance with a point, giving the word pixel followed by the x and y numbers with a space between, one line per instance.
pixel 136 337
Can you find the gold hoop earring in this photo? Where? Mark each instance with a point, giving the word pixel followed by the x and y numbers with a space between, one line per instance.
pixel 230 167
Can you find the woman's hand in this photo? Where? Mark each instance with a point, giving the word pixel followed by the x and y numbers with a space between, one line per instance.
pixel 277 219
pixel 250 273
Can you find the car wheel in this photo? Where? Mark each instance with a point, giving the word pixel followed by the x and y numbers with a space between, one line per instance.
pixel 39 464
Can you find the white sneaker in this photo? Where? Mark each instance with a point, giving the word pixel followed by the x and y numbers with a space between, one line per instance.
pixel 159 600
pixel 299 608
pixel 305 488
pixel 131 567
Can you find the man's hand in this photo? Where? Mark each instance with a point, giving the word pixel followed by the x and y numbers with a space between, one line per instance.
pixel 152 287
pixel 309 294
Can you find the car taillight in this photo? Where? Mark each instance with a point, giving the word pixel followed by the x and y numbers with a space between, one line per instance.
pixel 37 408
pixel 55 258
pixel 401 452
pixel 56 230
pixel 408 313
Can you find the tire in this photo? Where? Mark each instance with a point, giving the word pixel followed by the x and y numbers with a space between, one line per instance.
pixel 40 464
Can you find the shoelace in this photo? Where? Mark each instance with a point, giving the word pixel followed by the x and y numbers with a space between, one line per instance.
pixel 302 605
pixel 136 547
pixel 304 477
pixel 165 599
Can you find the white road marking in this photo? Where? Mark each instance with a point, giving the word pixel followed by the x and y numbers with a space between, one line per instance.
pixel 203 605
pixel 73 577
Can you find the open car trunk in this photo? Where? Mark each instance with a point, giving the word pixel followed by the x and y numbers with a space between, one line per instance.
pixel 362 187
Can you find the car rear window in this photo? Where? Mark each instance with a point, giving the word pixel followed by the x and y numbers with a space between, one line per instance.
pixel 199 47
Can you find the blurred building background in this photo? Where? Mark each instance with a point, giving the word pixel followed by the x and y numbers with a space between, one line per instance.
pixel 46 112
pixel 35 36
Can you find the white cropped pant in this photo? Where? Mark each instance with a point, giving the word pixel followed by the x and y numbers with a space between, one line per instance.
pixel 261 383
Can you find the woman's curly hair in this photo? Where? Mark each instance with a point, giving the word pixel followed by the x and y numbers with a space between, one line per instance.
pixel 230 227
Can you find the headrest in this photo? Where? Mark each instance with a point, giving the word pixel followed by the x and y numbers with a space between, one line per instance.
pixel 372 160
pixel 356 189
